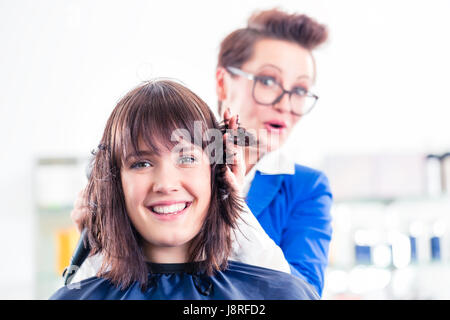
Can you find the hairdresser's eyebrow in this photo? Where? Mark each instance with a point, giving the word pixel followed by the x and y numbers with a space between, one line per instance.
pixel 270 65
pixel 304 76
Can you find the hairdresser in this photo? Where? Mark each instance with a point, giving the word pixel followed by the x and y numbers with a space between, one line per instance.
pixel 265 75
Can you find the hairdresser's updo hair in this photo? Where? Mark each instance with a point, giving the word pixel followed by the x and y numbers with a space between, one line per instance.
pixel 237 47
pixel 151 113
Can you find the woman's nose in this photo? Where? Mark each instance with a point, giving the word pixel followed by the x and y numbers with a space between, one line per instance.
pixel 165 179
pixel 284 105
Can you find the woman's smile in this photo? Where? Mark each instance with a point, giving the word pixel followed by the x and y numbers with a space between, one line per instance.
pixel 169 210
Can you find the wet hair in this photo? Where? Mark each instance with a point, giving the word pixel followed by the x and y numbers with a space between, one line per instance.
pixel 237 47
pixel 150 113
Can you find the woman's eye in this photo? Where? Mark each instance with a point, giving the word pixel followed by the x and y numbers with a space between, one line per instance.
pixel 267 81
pixel 188 160
pixel 141 164
pixel 300 91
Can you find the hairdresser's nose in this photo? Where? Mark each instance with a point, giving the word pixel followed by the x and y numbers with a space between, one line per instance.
pixel 165 178
pixel 284 105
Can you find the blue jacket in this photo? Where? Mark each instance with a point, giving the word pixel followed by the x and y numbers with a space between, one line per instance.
pixel 294 210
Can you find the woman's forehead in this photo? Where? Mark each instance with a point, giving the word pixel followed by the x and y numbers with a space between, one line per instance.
pixel 285 57
pixel 175 145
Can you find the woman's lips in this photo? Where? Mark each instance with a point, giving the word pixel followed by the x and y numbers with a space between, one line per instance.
pixel 168 210
pixel 275 126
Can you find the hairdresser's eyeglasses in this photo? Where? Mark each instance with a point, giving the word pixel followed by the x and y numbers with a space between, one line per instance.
pixel 268 92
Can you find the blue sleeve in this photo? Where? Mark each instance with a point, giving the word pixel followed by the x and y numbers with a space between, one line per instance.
pixel 306 237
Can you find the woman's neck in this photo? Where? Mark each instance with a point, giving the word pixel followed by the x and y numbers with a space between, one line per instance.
pixel 161 254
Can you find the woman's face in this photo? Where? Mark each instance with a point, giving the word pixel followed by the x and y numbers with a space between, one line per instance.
pixel 167 197
pixel 291 66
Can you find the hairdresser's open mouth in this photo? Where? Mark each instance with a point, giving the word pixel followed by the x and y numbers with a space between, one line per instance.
pixel 169 209
pixel 275 126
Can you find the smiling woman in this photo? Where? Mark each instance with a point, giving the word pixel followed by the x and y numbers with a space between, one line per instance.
pixel 163 215
pixel 165 201
pixel 147 175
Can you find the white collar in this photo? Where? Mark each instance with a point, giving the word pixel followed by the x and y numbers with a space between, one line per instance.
pixel 276 162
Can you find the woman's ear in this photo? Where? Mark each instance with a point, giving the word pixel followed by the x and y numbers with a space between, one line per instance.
pixel 220 84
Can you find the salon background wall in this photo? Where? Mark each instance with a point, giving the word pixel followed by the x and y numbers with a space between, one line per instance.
pixel 383 85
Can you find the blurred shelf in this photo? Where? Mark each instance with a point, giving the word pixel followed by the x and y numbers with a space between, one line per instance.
pixel 430 281
pixel 56 210
pixel 388 201
pixel 57 181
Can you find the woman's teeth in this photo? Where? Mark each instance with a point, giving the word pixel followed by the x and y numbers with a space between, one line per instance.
pixel 171 209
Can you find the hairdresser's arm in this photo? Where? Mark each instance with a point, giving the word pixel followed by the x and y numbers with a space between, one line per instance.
pixel 80 210
pixel 307 235
pixel 251 244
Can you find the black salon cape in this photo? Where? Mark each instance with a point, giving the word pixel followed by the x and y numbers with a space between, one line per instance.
pixel 179 282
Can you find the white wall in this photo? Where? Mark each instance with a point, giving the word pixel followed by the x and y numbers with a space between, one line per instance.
pixel 383 83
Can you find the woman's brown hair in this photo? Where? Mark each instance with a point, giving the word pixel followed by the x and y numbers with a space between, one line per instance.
pixel 152 112
pixel 237 47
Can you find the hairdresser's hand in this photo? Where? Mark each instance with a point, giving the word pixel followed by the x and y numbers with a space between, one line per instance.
pixel 80 210
pixel 235 155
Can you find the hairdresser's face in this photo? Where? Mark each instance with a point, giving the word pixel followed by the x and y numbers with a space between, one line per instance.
pixel 291 66
pixel 167 198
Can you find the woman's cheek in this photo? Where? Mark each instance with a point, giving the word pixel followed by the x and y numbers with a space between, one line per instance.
pixel 136 189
